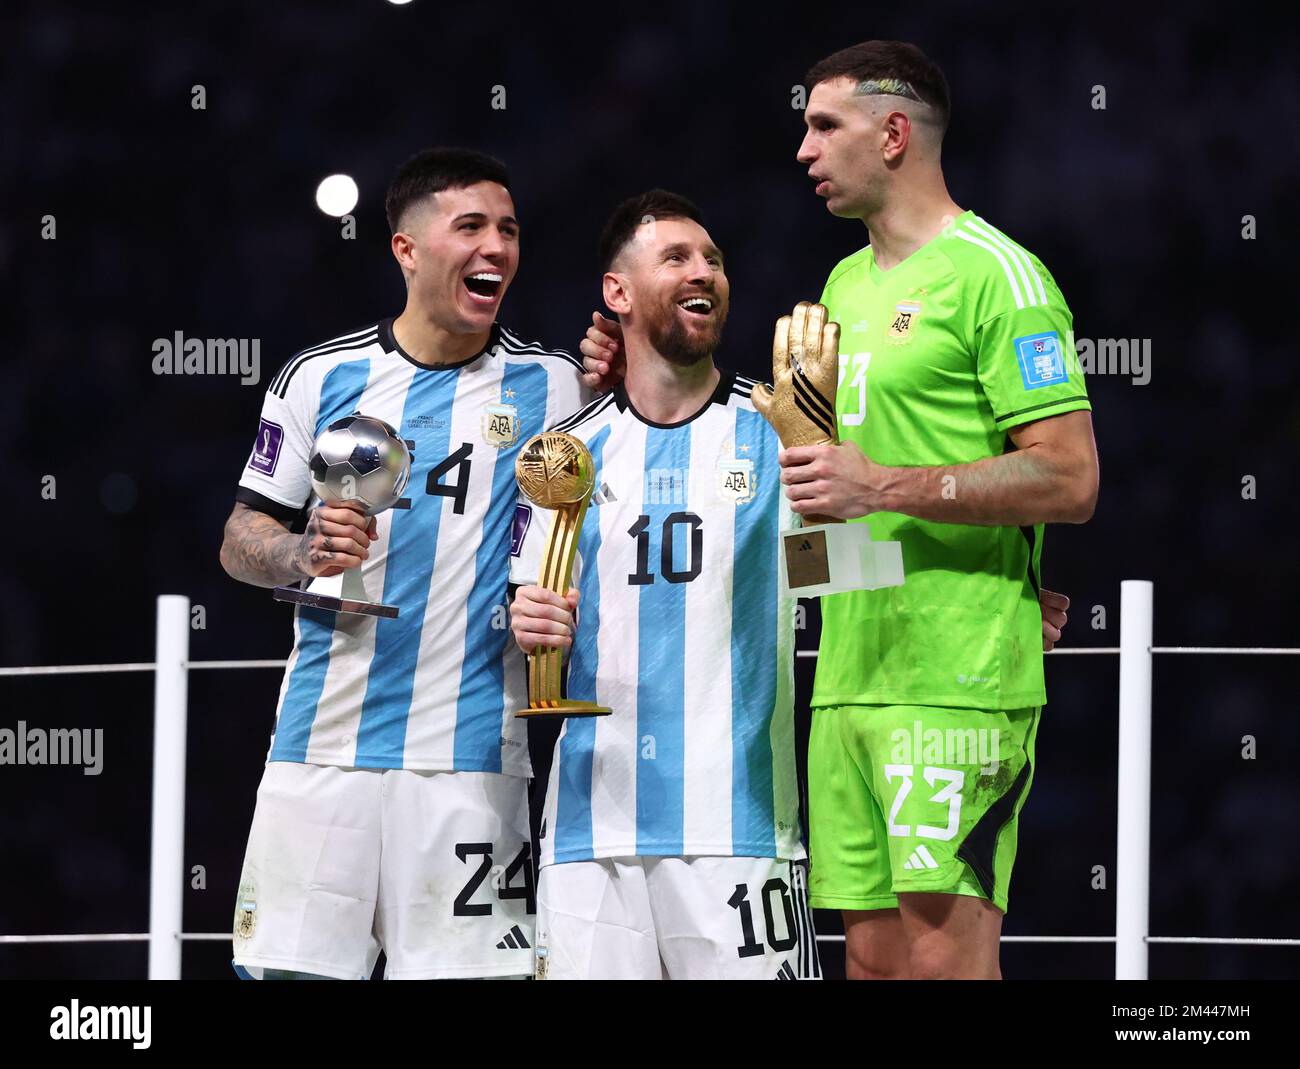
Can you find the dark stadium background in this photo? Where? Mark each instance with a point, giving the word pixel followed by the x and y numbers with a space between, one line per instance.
pixel 203 221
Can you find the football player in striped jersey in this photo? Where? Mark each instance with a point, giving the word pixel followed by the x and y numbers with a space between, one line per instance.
pixel 670 842
pixel 393 809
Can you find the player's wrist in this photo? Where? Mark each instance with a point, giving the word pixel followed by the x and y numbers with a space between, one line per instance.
pixel 297 557
pixel 887 489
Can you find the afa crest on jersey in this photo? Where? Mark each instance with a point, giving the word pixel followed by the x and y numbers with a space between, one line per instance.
pixel 736 481
pixel 905 313
pixel 246 912
pixel 500 424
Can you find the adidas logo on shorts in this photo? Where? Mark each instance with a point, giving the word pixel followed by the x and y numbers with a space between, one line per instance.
pixel 920 859
pixel 514 940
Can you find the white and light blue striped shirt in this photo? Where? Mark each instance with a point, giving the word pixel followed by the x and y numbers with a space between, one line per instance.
pixel 438 686
pixel 683 633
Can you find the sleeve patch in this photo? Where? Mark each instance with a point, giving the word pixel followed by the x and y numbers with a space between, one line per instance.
pixel 523 517
pixel 266 451
pixel 1041 360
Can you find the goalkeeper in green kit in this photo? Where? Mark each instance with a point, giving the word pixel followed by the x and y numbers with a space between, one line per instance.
pixel 964 427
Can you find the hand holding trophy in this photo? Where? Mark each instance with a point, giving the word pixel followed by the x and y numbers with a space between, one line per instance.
pixel 355 459
pixel 556 471
pixel 824 555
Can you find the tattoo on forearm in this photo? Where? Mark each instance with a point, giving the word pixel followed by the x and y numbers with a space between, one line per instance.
pixel 308 555
pixel 258 549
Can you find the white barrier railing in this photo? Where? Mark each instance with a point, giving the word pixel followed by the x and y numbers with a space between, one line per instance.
pixel 167 836
pixel 1133 830
pixel 172 666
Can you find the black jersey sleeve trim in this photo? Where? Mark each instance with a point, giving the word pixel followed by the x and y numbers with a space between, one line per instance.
pixel 262 503
pixel 1035 408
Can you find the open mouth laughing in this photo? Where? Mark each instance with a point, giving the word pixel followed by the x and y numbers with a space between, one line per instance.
pixel 483 286
pixel 697 306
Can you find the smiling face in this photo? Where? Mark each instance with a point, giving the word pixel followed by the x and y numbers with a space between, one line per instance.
pixel 670 286
pixel 459 250
pixel 842 149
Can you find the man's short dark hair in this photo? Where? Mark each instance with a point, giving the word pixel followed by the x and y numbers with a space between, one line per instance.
pixel 434 170
pixel 884 66
pixel 628 216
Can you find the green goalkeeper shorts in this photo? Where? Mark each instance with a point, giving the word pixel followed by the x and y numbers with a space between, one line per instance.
pixel 915 798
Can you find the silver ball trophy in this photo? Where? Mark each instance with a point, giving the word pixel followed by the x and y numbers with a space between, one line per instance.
pixel 362 459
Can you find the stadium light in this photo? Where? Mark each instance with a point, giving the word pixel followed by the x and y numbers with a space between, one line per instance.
pixel 337 194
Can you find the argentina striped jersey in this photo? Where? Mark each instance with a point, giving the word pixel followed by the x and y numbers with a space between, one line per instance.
pixel 437 687
pixel 682 633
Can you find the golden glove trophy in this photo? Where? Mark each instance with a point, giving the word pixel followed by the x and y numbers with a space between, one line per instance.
pixel 556 471
pixel 824 555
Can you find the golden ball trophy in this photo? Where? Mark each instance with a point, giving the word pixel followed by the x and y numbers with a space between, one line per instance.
pixel 555 471
pixel 824 555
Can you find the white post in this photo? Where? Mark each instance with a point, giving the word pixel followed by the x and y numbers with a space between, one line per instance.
pixel 167 844
pixel 1133 852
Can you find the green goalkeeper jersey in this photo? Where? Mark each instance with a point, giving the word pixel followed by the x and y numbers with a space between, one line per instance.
pixel 940 357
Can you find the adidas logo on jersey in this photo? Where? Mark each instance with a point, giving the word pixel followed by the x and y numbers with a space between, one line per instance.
pixel 515 940
pixel 921 859
pixel 785 972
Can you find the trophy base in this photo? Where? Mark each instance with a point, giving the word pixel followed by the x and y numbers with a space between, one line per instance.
pixel 344 592
pixel 834 558
pixel 565 707
pixel 333 604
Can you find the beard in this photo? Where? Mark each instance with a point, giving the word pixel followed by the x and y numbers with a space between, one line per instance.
pixel 864 200
pixel 677 343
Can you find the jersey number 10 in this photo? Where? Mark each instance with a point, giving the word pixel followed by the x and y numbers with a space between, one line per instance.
pixel 667 565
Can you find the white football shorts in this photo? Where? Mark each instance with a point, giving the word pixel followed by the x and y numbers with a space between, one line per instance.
pixel 675 918
pixel 431 867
